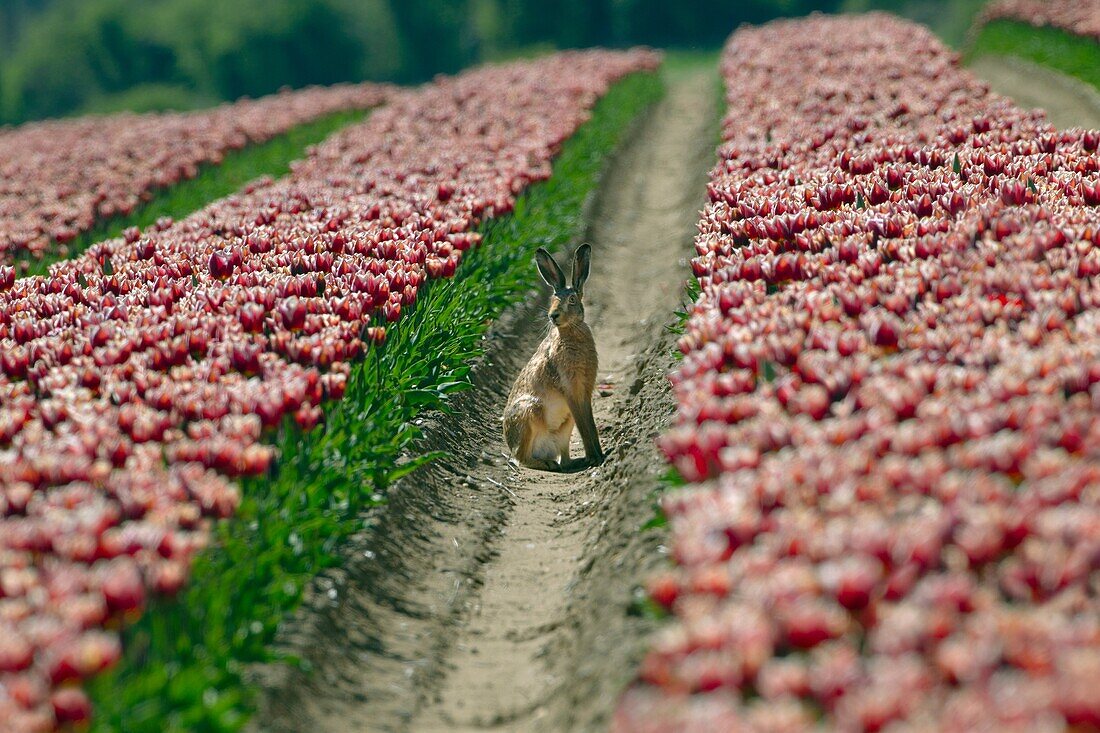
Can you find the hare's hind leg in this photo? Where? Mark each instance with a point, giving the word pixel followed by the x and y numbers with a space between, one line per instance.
pixel 537 450
pixel 527 437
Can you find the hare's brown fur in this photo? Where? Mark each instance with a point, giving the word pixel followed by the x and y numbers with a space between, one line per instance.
pixel 554 391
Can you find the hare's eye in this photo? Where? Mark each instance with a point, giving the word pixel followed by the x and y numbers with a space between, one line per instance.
pixel 572 299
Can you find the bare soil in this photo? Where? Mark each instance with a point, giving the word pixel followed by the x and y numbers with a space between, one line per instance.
pixel 1068 102
pixel 484 597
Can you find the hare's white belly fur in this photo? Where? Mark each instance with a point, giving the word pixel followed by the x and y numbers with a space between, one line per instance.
pixel 555 411
pixel 550 438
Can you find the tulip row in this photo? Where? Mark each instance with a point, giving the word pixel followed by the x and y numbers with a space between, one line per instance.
pixel 1079 17
pixel 888 405
pixel 137 379
pixel 60 178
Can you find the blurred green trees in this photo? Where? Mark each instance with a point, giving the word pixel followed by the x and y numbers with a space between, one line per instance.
pixel 58 57
pixel 180 53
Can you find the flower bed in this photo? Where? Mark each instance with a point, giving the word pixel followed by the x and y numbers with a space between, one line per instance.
pixel 140 377
pixel 1078 17
pixel 888 405
pixel 59 178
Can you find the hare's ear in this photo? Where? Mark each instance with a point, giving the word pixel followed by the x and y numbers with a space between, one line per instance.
pixel 582 260
pixel 549 269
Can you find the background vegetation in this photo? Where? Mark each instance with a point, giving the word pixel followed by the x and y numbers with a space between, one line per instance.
pixel 61 57
pixel 1070 54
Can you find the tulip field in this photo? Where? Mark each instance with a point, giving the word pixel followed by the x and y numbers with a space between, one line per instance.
pixel 889 405
pixel 58 179
pixel 139 379
pixel 887 505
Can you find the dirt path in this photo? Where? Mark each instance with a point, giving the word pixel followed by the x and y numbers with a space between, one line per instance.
pixel 488 598
pixel 1068 101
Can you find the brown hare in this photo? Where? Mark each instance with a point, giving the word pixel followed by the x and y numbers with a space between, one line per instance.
pixel 554 390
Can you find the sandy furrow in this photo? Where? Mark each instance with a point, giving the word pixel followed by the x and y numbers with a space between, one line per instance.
pixel 509 668
pixel 485 597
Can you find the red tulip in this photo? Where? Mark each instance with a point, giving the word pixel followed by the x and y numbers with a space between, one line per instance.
pixel 71 705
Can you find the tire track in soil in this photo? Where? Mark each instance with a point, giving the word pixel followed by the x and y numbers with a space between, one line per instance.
pixel 483 597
